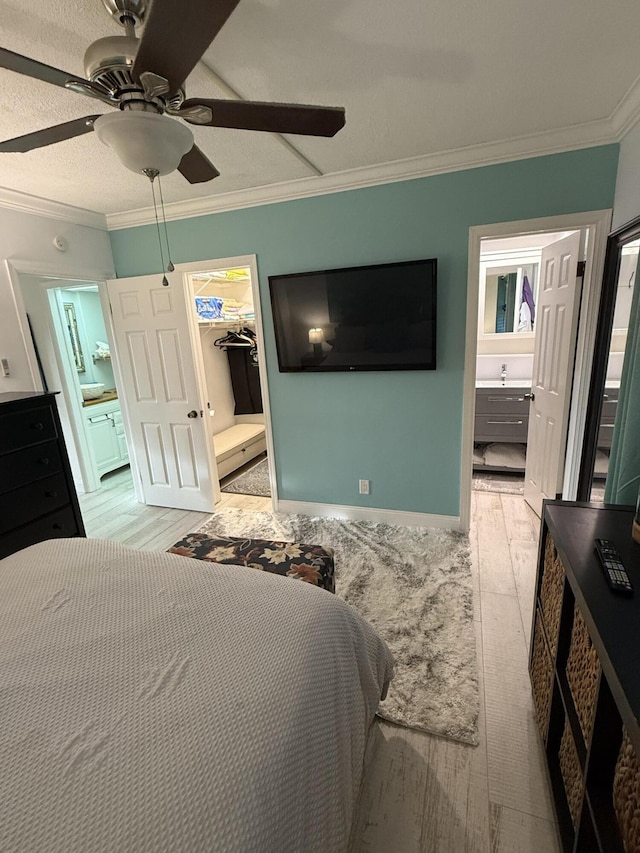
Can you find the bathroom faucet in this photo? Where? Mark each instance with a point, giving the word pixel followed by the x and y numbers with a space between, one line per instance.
pixel 503 374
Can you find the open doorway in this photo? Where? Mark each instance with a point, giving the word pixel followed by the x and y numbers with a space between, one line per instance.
pixel 511 283
pixel 183 417
pixel 69 334
pixel 222 301
pixel 554 436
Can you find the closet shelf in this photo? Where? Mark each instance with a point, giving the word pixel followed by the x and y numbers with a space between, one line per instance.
pixel 249 321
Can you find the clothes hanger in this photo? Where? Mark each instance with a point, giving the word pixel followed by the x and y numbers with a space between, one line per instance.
pixel 235 339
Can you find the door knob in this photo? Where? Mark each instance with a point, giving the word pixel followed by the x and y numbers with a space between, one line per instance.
pixel 531 397
pixel 192 414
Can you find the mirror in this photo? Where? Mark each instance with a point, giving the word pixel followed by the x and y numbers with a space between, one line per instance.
pixel 609 467
pixel 508 294
pixel 72 326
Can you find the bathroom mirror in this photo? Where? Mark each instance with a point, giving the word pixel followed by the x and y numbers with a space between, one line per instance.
pixel 72 326
pixel 508 295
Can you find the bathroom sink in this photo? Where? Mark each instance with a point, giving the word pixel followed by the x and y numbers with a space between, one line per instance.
pixel 92 390
pixel 498 383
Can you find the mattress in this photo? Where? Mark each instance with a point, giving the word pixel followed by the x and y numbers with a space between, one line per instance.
pixel 154 702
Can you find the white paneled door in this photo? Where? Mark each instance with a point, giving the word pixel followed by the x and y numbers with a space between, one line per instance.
pixel 555 328
pixel 161 390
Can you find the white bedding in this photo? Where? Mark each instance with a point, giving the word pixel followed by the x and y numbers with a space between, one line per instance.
pixel 155 702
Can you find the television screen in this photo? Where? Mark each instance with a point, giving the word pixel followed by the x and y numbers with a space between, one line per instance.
pixel 380 317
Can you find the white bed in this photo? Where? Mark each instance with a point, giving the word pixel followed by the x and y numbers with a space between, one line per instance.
pixel 156 702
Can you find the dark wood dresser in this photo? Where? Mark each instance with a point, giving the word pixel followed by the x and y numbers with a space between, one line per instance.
pixel 37 495
pixel 585 673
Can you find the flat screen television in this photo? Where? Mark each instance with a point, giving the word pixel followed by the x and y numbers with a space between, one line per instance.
pixel 380 317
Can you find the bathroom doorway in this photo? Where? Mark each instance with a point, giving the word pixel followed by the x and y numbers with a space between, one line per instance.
pixel 511 284
pixel 535 351
pixel 74 357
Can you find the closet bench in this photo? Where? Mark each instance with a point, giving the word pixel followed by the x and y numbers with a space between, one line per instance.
pixel 236 445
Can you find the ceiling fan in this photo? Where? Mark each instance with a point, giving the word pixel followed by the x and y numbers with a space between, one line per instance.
pixel 145 77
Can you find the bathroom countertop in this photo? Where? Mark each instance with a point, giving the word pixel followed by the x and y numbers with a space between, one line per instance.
pixel 105 397
pixel 611 384
pixel 498 383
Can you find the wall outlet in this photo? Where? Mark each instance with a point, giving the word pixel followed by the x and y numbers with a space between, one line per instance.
pixel 364 486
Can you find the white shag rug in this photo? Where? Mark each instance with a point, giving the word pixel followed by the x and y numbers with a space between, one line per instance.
pixel 414 585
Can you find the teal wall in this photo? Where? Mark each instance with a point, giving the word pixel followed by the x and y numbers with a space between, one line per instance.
pixel 401 430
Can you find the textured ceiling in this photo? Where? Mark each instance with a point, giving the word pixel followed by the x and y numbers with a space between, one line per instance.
pixel 415 78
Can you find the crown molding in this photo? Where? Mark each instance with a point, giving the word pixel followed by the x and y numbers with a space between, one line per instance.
pixel 627 112
pixel 36 206
pixel 490 153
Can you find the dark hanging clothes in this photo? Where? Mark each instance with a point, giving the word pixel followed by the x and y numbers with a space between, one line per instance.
pixel 245 380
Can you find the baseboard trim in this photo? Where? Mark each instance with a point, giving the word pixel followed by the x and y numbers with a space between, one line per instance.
pixel 365 513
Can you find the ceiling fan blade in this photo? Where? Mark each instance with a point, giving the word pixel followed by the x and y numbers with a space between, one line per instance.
pixel 57 133
pixel 277 118
pixel 176 35
pixel 23 65
pixel 196 168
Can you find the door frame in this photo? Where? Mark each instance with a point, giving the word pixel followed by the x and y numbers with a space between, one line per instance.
pixel 85 472
pixel 250 261
pixel 617 239
pixel 598 223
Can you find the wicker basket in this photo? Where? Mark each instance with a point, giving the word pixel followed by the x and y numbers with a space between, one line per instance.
pixel 571 773
pixel 626 795
pixel 541 679
pixel 551 592
pixel 583 673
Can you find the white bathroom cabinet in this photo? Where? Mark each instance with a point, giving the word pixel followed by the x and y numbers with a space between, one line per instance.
pixel 106 436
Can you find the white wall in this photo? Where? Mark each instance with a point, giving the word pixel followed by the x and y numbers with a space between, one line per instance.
pixel 28 237
pixel 219 388
pixel 627 199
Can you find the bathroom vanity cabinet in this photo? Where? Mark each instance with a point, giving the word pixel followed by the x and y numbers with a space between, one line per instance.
pixel 502 414
pixel 502 418
pixel 106 436
pixel 608 417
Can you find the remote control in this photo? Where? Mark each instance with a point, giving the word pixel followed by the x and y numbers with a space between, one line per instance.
pixel 614 571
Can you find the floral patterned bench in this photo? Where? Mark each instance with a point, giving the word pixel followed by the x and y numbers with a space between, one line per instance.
pixel 310 563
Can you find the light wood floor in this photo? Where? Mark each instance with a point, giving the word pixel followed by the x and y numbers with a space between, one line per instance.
pixel 424 794
pixel 113 513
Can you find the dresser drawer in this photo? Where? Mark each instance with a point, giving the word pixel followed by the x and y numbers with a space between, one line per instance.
pixel 510 401
pixel 32 463
pixel 32 501
pixel 59 524
pixel 30 426
pixel 501 427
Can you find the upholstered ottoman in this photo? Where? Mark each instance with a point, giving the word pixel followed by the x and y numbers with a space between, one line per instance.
pixel 310 563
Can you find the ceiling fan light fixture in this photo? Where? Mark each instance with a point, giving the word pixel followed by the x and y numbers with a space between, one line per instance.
pixel 145 141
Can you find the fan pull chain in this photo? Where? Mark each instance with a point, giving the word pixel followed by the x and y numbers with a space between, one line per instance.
pixel 152 174
pixel 170 266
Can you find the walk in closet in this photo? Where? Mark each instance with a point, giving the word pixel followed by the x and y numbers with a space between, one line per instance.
pixel 223 303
